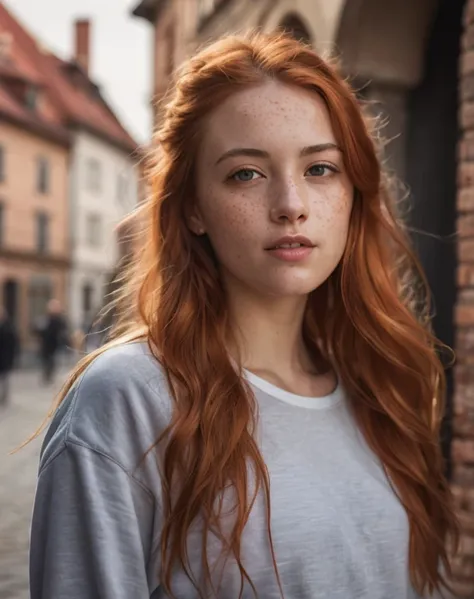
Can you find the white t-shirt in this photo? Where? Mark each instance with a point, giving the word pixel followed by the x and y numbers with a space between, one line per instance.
pixel 338 529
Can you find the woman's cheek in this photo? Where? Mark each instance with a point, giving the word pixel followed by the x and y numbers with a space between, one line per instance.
pixel 230 215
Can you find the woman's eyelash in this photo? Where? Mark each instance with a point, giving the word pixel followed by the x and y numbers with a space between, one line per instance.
pixel 233 176
pixel 330 167
pixel 244 170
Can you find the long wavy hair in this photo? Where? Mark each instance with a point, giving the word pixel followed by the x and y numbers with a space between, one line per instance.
pixel 370 319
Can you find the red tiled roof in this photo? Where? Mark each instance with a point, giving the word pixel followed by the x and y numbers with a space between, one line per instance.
pixel 24 63
pixel 9 105
pixel 45 119
pixel 83 103
pixel 14 111
pixel 16 70
pixel 70 102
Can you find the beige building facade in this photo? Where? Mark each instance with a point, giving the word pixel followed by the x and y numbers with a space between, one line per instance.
pixel 67 178
pixel 413 60
pixel 34 225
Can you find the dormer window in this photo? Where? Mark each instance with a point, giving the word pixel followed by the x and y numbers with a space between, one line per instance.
pixel 31 97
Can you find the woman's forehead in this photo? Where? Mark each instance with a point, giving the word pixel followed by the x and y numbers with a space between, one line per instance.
pixel 273 113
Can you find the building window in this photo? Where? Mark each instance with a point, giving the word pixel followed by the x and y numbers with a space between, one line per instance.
pixel 87 300
pixel 31 97
pixel 39 293
pixel 122 188
pixel 42 182
pixel 42 232
pixel 2 224
pixel 2 164
pixel 94 175
pixel 94 230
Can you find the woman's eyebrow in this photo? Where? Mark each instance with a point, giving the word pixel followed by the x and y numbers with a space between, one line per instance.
pixel 243 152
pixel 255 152
pixel 319 148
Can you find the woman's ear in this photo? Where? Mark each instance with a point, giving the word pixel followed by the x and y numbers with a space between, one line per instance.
pixel 194 220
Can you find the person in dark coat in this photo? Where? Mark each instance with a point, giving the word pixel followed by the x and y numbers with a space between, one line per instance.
pixel 8 350
pixel 53 338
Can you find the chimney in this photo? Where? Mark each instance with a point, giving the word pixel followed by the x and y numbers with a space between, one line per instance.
pixel 82 56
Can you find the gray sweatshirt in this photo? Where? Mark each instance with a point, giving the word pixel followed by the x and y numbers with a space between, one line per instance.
pixel 339 531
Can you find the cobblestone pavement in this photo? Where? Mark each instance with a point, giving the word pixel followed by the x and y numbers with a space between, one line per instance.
pixel 29 404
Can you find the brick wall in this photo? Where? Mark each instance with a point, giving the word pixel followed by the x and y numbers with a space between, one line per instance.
pixel 463 443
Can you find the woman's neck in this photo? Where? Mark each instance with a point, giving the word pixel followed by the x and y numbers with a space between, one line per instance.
pixel 268 333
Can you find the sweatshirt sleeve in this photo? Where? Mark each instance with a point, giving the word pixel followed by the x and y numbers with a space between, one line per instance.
pixel 91 530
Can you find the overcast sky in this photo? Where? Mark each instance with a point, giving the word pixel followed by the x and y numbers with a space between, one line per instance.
pixel 121 49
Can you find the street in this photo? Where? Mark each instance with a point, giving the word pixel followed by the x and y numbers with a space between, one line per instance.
pixel 29 404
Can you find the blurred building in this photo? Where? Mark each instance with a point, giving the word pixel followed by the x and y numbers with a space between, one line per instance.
pixel 34 162
pixel 103 179
pixel 414 59
pixel 67 178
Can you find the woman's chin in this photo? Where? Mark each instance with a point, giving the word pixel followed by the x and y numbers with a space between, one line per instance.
pixel 288 286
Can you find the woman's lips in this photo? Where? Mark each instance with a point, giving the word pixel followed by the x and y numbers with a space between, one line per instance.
pixel 295 254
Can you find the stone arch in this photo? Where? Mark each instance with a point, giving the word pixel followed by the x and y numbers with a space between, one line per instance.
pixel 294 25
pixel 382 47
pixel 407 55
pixel 282 16
pixel 385 40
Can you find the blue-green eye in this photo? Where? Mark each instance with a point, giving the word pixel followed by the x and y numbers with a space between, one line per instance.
pixel 320 170
pixel 244 175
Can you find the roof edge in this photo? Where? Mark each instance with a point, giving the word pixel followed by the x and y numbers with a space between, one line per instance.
pixel 62 261
pixel 150 10
pixel 146 10
pixel 132 150
pixel 53 134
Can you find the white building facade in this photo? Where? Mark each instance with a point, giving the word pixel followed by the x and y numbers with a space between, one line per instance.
pixel 104 189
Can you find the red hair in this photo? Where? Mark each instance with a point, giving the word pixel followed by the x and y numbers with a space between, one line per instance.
pixel 365 319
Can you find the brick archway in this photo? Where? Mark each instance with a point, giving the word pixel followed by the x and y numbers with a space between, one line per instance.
pixel 463 425
pixel 410 77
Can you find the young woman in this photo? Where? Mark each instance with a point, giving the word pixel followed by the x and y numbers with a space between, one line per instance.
pixel 264 423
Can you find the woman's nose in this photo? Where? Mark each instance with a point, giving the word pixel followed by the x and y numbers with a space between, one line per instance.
pixel 290 204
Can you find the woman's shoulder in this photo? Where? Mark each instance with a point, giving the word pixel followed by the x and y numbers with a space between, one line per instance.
pixel 117 407
pixel 122 363
pixel 126 368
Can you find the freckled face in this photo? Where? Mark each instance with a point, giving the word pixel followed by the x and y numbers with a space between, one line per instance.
pixel 269 167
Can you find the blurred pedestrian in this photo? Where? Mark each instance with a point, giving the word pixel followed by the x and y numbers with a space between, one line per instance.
pixel 8 353
pixel 53 338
